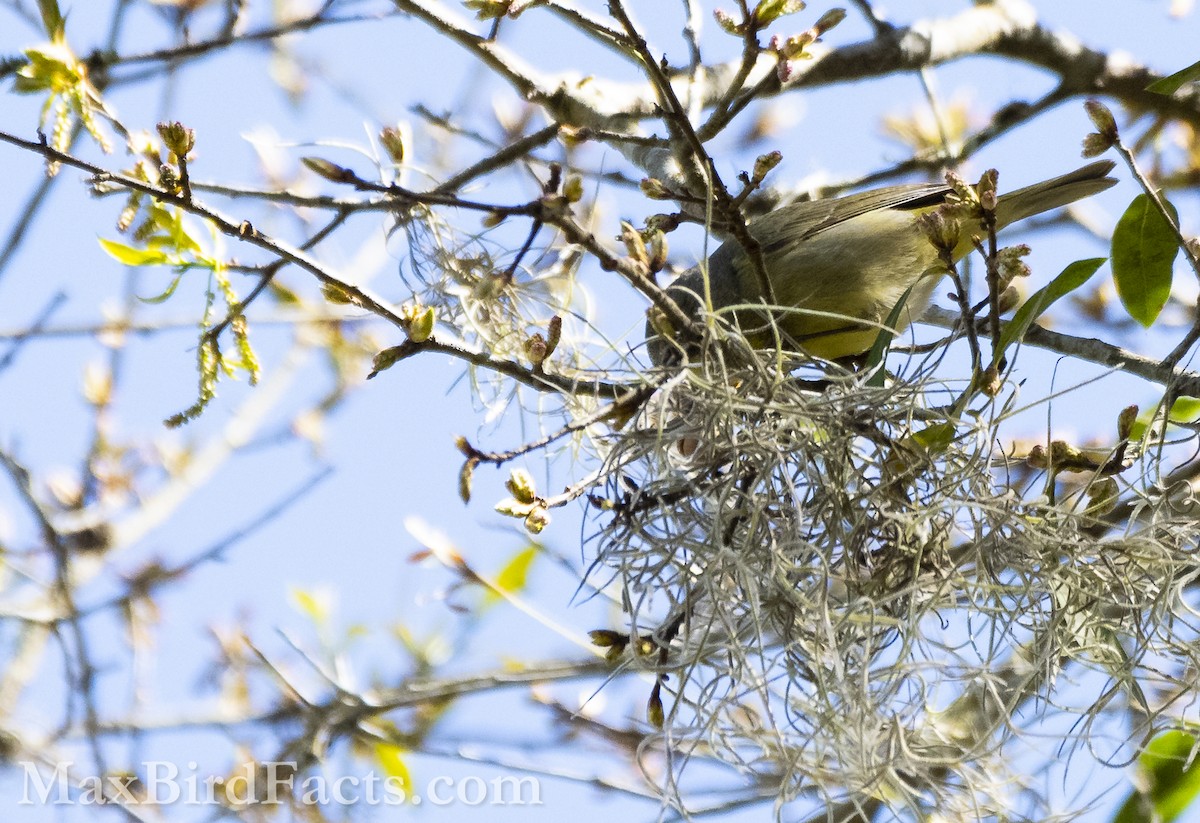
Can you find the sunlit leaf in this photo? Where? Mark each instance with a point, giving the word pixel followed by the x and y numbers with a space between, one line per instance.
pixel 1171 783
pixel 130 256
pixel 1170 85
pixel 768 11
pixel 1071 278
pixel 935 438
pixel 514 577
pixel 166 295
pixel 52 19
pixel 1183 410
pixel 1143 254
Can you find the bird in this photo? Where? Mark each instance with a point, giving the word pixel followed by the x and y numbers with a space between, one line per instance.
pixel 839 266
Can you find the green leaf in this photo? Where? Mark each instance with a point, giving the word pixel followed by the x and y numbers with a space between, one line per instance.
pixel 1143 253
pixel 166 295
pixel 936 438
pixel 1170 787
pixel 130 256
pixel 174 230
pixel 52 19
pixel 514 577
pixel 767 10
pixel 1184 410
pixel 1170 85
pixel 1071 278
pixel 879 348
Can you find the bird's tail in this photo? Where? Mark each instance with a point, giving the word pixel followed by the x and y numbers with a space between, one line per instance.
pixel 1050 194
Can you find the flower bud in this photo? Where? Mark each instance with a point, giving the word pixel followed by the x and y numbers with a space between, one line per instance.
pixel 942 228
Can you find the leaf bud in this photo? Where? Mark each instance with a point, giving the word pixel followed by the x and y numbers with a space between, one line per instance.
pixel 178 138
pixel 553 334
pixel 537 520
pixel 658 251
pixel 536 349
pixel 987 190
pixel 654 706
pixel 511 507
pixel 764 163
pixel 394 141
pixel 1102 118
pixel 329 170
pixel 1125 422
pixel 653 188
pixel 634 244
pixel 727 23
pixel 828 20
pixel 1010 263
pixel 520 485
pixel 420 326
pixel 573 189
pixel 465 475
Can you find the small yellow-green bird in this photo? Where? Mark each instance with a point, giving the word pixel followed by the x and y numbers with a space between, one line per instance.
pixel 837 261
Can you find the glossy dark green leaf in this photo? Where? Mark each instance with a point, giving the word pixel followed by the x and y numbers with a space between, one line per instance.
pixel 1170 787
pixel 1143 254
pixel 1171 84
pixel 1071 278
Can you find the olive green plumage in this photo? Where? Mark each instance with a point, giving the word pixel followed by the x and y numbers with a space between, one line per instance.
pixel 837 261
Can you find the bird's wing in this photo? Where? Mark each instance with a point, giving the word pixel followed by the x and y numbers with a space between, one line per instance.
pixel 803 220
